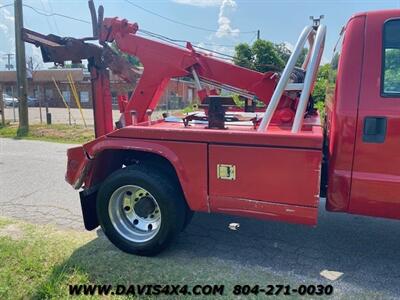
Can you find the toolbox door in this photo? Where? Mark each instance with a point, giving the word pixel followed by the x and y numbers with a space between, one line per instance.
pixel 265 182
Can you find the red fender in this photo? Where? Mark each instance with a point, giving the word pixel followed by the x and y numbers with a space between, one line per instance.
pixel 190 166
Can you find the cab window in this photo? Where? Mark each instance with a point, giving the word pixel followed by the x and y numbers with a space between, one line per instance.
pixel 336 56
pixel 391 59
pixel 333 70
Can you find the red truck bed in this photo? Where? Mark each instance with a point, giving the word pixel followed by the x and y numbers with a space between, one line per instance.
pixel 286 166
pixel 310 137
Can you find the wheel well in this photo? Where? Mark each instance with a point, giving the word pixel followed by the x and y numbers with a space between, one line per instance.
pixel 109 161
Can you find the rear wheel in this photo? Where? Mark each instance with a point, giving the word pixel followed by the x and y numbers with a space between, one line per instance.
pixel 140 210
pixel 188 218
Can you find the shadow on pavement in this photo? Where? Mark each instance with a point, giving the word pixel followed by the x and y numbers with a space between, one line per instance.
pixel 366 250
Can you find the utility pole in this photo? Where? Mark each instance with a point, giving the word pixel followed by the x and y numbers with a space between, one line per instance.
pixel 21 70
pixel 258 34
pixel 3 119
pixel 9 66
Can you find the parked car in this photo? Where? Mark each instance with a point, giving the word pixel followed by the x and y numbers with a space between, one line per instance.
pixel 8 100
pixel 33 102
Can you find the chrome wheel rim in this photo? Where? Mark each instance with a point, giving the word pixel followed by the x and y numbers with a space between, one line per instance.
pixel 134 213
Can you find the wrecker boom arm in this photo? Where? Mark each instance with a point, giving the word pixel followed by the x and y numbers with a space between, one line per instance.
pixel 161 62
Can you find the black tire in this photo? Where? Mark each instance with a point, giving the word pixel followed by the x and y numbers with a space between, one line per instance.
pixel 169 173
pixel 188 218
pixel 168 196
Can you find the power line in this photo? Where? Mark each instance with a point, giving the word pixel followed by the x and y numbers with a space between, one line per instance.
pixel 47 19
pixel 159 36
pixel 226 56
pixel 178 22
pixel 6 5
pixel 219 45
pixel 175 41
pixel 54 19
pixel 47 14
pixel 256 36
pixel 184 41
pixel 162 37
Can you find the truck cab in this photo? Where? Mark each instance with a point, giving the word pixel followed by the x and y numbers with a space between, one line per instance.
pixel 363 117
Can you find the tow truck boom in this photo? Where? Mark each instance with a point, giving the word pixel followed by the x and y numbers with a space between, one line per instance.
pixel 161 62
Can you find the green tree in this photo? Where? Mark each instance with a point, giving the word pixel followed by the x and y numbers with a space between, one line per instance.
pixel 392 70
pixel 323 79
pixel 324 71
pixel 302 57
pixel 265 56
pixel 244 56
pixel 319 91
pixel 132 59
pixel 283 51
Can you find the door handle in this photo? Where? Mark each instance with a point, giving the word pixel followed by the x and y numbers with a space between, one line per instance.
pixel 374 129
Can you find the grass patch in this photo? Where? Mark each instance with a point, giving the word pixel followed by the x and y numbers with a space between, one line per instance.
pixel 190 108
pixel 4 222
pixel 53 133
pixel 44 261
pixel 32 266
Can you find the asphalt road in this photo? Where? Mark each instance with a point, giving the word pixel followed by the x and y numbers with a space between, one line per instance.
pixel 32 183
pixel 365 250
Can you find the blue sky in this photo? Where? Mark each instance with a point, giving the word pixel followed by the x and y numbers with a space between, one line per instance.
pixel 278 21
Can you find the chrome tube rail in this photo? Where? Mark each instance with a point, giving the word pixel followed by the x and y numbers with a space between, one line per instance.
pixel 311 39
pixel 283 81
pixel 196 80
pixel 229 88
pixel 311 72
pixel 316 38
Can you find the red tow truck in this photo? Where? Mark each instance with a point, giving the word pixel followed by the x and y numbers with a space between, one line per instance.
pixel 141 179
